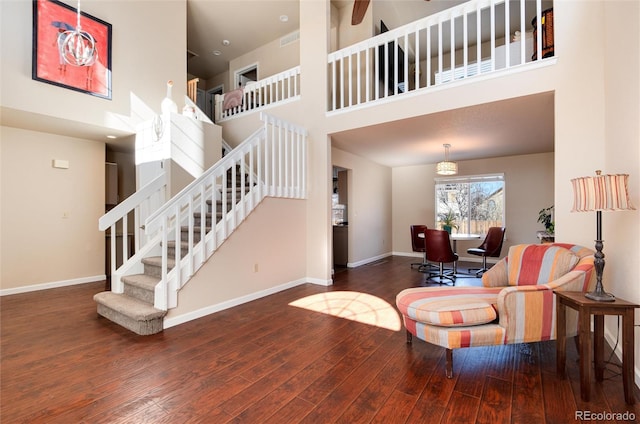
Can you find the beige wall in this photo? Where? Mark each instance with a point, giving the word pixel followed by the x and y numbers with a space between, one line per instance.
pixel 622 144
pixel 261 267
pixel 370 207
pixel 314 23
pixel 270 58
pixel 72 249
pixel 597 108
pixel 49 220
pixel 126 171
pixel 348 34
pixel 529 187
pixel 221 79
pixel 138 70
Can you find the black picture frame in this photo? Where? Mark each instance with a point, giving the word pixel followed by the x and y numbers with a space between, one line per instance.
pixel 50 19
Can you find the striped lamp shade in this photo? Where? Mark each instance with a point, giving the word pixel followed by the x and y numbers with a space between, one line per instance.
pixel 601 193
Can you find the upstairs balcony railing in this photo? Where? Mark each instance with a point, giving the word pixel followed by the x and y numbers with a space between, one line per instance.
pixel 258 95
pixel 475 38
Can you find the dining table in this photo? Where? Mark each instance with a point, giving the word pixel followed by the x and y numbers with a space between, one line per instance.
pixel 455 237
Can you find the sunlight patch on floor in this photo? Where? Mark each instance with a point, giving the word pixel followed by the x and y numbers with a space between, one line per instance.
pixel 360 307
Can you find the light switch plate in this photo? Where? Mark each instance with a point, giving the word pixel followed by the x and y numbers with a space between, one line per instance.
pixel 62 164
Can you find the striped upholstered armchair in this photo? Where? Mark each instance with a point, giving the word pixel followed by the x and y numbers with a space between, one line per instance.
pixel 516 303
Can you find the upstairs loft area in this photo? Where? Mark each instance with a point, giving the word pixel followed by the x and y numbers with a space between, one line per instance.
pixel 430 52
pixel 440 49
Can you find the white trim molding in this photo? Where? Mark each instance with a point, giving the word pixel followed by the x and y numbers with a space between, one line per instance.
pixel 53 285
pixel 208 310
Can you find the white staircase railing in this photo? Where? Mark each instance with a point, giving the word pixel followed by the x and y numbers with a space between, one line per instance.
pixel 276 89
pixel 141 204
pixel 272 163
pixel 440 48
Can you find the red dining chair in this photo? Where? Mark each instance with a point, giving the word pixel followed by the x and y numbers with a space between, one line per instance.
pixel 439 250
pixel 417 244
pixel 490 247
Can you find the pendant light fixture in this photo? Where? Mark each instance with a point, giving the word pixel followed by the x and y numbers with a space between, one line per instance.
pixel 77 47
pixel 446 167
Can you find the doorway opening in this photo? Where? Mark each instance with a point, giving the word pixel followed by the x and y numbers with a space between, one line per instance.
pixel 246 75
pixel 340 218
pixel 211 100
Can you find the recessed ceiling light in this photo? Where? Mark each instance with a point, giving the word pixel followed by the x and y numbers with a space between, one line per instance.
pixel 226 42
pixel 111 136
pixel 284 18
pixel 216 52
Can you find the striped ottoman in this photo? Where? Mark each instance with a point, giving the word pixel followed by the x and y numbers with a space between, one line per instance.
pixel 452 317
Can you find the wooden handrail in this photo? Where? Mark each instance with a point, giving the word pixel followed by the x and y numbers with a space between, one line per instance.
pixel 192 89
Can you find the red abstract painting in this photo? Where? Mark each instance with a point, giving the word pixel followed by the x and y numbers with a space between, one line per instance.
pixel 51 19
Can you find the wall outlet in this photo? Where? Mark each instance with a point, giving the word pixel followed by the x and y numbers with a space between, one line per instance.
pixel 255 267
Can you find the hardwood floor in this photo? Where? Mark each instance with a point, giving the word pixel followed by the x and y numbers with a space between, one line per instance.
pixel 271 362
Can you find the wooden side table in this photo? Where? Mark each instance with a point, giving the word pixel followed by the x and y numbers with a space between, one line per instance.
pixel 586 308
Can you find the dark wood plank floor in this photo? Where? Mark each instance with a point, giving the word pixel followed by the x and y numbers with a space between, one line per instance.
pixel 270 362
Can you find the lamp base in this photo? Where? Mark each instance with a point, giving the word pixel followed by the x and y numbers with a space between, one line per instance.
pixel 600 296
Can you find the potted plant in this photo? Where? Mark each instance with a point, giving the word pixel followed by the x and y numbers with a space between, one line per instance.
pixel 448 221
pixel 545 217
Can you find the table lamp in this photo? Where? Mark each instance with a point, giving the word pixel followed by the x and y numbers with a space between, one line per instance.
pixel 600 193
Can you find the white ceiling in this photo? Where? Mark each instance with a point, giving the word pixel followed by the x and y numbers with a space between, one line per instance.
pixel 246 24
pixel 518 126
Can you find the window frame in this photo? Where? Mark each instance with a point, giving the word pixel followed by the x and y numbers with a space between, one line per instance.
pixel 469 179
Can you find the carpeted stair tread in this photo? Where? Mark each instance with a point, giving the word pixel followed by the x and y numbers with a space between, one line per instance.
pixel 129 306
pixel 183 244
pixel 199 214
pixel 132 314
pixel 157 261
pixel 133 309
pixel 144 281
pixel 185 228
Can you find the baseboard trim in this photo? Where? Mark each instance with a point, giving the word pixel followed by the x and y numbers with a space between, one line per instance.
pixel 368 260
pixel 475 259
pixel 319 281
pixel 611 338
pixel 202 312
pixel 52 285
